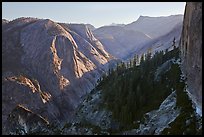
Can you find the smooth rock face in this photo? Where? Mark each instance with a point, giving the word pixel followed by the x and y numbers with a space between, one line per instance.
pixel 191 50
pixel 48 67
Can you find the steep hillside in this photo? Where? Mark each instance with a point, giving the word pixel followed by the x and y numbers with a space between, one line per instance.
pixel 47 67
pixel 119 41
pixel 161 43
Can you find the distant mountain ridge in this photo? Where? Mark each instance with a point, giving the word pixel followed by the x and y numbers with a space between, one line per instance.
pixel 164 42
pixel 155 26
pixel 142 32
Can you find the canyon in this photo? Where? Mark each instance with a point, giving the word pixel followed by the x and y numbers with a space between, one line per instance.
pixel 55 75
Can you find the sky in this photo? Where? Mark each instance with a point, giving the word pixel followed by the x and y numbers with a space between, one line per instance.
pixel 95 13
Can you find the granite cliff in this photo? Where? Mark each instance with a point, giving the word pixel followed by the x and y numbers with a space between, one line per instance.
pixel 48 67
pixel 191 50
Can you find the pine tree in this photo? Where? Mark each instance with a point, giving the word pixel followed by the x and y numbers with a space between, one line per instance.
pixel 117 67
pixel 137 59
pixel 109 72
pixel 166 50
pixel 123 66
pixel 149 54
pixel 174 43
pixel 142 59
pixel 127 65
pixel 131 63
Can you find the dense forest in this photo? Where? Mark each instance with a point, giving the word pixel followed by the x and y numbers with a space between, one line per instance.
pixel 131 90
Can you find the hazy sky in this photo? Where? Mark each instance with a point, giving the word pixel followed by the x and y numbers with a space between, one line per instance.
pixel 95 13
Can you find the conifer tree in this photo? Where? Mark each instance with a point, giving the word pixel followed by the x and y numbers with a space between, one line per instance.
pixel 148 55
pixel 142 59
pixel 137 59
pixel 174 43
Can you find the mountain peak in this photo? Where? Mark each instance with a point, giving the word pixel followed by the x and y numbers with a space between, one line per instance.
pixel 176 15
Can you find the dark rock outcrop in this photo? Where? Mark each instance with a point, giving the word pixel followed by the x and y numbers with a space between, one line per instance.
pixel 191 50
pixel 23 121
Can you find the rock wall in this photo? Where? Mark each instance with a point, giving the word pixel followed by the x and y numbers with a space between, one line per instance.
pixel 191 50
